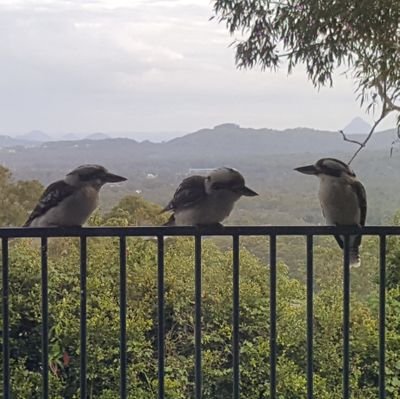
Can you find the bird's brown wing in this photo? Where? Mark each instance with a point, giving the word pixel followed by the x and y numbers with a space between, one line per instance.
pixel 362 203
pixel 51 197
pixel 189 192
pixel 362 200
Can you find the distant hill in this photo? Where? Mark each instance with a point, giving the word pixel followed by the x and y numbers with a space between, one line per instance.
pixel 357 126
pixel 223 139
pixel 36 135
pixel 97 136
pixel 226 144
pixel 8 141
pixel 266 158
pixel 70 136
pixel 221 144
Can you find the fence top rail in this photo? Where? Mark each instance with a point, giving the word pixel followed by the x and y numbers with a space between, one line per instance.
pixel 147 231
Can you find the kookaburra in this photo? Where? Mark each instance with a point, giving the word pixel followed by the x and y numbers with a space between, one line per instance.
pixel 343 199
pixel 207 200
pixel 70 202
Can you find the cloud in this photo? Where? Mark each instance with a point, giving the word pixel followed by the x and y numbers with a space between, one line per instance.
pixel 92 65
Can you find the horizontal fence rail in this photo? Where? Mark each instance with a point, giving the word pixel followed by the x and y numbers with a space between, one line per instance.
pixel 9 232
pixel 235 232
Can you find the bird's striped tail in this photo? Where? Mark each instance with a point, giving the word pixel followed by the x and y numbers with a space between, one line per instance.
pixel 355 256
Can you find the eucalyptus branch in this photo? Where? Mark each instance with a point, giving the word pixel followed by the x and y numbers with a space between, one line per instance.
pixel 371 132
pixel 389 102
pixel 363 39
pixel 345 138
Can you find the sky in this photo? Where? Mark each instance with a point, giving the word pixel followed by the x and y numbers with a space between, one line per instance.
pixel 119 66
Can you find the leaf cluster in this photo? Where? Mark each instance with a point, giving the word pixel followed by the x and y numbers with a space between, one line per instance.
pixel 17 198
pixel 361 37
pixel 322 34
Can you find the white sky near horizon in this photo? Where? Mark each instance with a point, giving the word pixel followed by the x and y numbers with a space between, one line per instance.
pixel 145 66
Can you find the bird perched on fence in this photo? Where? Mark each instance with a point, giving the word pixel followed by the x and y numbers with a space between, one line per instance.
pixel 343 199
pixel 207 200
pixel 70 202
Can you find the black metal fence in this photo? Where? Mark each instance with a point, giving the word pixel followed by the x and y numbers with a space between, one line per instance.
pixel 160 233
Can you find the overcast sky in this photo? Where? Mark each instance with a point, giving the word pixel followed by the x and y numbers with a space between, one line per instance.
pixel 144 65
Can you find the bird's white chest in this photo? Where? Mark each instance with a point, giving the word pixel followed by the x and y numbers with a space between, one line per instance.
pixel 84 203
pixel 339 202
pixel 73 211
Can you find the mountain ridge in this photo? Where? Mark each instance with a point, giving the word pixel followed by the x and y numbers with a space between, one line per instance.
pixel 266 158
pixel 222 137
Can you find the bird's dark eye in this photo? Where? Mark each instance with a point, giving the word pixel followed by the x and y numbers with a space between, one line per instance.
pixel 91 176
pixel 331 171
pixel 218 186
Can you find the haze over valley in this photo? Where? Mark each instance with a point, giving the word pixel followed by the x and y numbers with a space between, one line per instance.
pixel 266 157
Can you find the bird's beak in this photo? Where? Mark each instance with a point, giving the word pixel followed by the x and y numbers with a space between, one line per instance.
pixel 111 178
pixel 308 170
pixel 247 192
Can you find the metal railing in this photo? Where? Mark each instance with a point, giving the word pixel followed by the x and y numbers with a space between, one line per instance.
pixel 160 233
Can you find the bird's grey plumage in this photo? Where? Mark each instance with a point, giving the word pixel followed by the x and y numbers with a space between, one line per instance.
pixel 188 193
pixel 342 197
pixel 206 200
pixel 70 202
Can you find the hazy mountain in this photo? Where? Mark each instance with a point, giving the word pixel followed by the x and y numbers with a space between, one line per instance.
pixel 266 158
pixel 155 137
pixel 97 136
pixel 226 144
pixel 36 135
pixel 222 141
pixel 70 136
pixel 232 139
pixel 357 126
pixel 8 141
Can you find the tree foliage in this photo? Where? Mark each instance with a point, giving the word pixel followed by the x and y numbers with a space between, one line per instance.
pixel 103 322
pixel 360 36
pixel 133 210
pixel 17 198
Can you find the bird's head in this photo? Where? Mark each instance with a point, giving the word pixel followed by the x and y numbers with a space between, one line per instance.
pixel 328 167
pixel 227 180
pixel 92 175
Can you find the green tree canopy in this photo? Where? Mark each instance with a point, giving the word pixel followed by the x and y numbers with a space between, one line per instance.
pixel 133 210
pixel 103 324
pixel 17 198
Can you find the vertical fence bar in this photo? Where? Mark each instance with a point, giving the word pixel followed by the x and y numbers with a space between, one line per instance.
pixel 6 326
pixel 272 304
pixel 197 338
pixel 161 317
pixel 83 316
pixel 235 319
pixel 122 315
pixel 346 318
pixel 45 320
pixel 310 318
pixel 382 315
